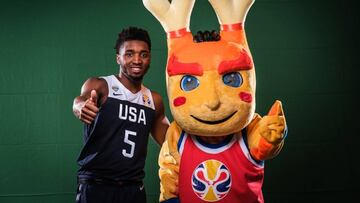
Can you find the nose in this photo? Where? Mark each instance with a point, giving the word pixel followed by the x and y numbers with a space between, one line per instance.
pixel 212 99
pixel 137 59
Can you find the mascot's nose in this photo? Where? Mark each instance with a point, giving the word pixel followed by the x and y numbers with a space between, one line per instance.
pixel 212 100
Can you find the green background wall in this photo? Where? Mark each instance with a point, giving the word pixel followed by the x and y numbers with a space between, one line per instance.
pixel 305 52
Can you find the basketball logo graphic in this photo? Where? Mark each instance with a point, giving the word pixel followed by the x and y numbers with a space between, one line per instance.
pixel 211 180
pixel 146 100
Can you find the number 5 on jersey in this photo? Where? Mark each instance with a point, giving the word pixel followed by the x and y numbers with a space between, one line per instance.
pixel 131 143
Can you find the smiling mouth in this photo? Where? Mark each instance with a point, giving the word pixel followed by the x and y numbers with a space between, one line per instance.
pixel 214 122
pixel 136 69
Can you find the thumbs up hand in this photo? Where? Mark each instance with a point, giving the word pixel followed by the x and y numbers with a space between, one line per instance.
pixel 274 125
pixel 267 136
pixel 90 108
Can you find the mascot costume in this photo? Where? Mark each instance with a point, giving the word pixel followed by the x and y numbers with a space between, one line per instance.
pixel 216 146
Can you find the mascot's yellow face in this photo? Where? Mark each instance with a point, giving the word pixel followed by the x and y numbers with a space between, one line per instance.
pixel 211 85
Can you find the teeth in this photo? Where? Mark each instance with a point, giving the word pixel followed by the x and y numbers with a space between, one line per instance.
pixel 136 69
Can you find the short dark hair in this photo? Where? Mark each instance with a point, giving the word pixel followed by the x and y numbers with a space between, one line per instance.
pixel 132 33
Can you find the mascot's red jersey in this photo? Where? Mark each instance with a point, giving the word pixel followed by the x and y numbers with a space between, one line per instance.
pixel 219 173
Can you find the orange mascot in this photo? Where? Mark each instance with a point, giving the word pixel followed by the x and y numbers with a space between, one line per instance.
pixel 216 146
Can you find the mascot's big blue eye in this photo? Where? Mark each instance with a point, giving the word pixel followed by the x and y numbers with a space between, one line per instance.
pixel 189 82
pixel 232 79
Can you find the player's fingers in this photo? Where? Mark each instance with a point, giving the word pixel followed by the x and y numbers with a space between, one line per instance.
pixel 89 112
pixel 87 117
pixel 83 119
pixel 92 107
pixel 87 121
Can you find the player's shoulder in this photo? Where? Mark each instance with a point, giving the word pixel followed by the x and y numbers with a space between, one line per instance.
pixel 158 101
pixel 155 94
pixel 95 83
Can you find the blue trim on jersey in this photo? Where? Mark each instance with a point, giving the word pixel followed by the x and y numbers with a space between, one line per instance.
pixel 244 135
pixel 215 146
pixel 180 140
pixel 172 200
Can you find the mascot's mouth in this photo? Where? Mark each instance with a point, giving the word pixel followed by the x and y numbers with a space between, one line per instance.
pixel 214 122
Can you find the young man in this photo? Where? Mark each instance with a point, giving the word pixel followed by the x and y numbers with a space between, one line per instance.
pixel 119 113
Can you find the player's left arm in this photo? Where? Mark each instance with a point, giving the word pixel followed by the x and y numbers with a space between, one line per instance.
pixel 161 123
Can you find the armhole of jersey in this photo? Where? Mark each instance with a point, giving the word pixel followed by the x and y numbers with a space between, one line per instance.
pixel 152 101
pixel 245 149
pixel 108 82
pixel 181 142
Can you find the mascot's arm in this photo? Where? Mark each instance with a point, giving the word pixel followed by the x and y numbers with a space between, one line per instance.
pixel 266 135
pixel 169 162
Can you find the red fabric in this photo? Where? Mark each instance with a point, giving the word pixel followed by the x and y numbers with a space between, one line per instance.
pixel 176 33
pixel 231 27
pixel 246 178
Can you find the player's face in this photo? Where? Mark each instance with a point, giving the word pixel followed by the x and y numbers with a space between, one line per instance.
pixel 134 59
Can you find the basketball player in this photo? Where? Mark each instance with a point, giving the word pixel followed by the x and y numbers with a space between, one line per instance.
pixel 119 112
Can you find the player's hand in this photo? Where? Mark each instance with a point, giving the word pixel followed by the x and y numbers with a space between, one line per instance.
pixel 89 109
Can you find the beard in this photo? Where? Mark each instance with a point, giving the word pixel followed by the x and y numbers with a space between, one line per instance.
pixel 133 78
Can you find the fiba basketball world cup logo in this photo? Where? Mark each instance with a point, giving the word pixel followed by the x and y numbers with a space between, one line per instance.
pixel 211 180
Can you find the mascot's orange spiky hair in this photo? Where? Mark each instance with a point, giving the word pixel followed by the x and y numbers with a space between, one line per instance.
pixel 215 148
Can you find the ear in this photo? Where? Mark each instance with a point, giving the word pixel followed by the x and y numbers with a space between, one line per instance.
pixel 118 59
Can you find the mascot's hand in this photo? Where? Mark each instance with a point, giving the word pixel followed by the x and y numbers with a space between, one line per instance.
pixel 170 182
pixel 169 162
pixel 168 173
pixel 266 135
pixel 272 127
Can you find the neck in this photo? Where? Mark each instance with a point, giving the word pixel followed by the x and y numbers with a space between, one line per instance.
pixel 133 85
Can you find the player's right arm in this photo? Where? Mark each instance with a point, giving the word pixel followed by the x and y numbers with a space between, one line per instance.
pixel 93 94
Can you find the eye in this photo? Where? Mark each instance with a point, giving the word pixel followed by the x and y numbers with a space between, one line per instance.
pixel 232 79
pixel 128 54
pixel 144 55
pixel 189 82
